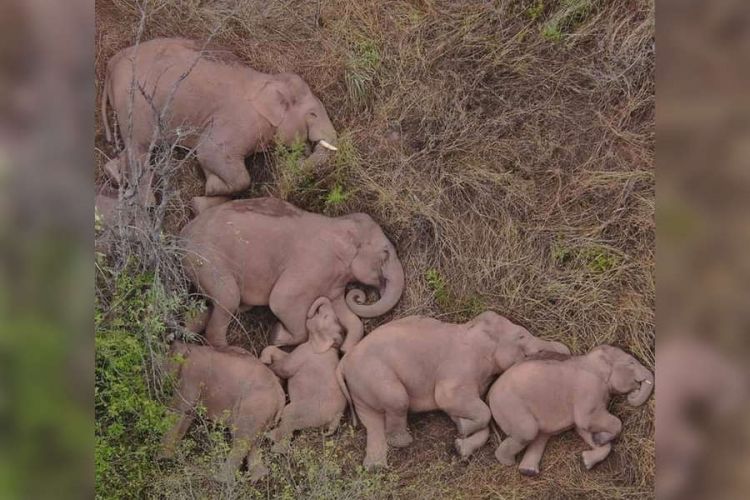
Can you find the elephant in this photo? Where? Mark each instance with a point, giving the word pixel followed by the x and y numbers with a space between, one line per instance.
pixel 315 398
pixel 541 397
pixel 422 364
pixel 210 101
pixel 265 251
pixel 236 389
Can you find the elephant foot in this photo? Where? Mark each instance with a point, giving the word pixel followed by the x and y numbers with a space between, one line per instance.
pixel 280 336
pixel 400 439
pixel 374 465
pixel 593 457
pixel 200 203
pixel 464 448
pixel 215 186
pixel 503 458
pixel 529 471
pixel 257 472
pixel 602 438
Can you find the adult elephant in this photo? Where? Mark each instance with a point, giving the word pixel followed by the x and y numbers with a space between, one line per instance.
pixel 209 100
pixel 265 251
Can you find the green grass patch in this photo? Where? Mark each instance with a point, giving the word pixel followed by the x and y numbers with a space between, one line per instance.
pixel 593 258
pixel 464 307
pixel 565 19
pixel 361 69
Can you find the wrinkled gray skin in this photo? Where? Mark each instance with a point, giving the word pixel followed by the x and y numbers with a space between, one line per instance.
pixel 421 364
pixel 539 398
pixel 315 398
pixel 236 389
pixel 218 105
pixel 265 251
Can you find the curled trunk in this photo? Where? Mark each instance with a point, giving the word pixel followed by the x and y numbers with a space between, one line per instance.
pixel 639 396
pixel 390 291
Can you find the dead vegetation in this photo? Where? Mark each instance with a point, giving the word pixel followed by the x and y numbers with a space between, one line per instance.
pixel 507 150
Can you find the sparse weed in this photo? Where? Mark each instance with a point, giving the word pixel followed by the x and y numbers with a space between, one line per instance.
pixel 566 18
pixel 364 62
pixel 536 10
pixel 590 257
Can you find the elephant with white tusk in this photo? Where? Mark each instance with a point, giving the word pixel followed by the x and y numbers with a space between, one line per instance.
pixel 265 251
pixel 210 101
pixel 539 398
pixel 421 364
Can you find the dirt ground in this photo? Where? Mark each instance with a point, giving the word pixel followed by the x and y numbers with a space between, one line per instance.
pixel 505 147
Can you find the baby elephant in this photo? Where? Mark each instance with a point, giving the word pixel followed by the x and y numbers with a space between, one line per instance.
pixel 235 388
pixel 314 393
pixel 541 397
pixel 421 364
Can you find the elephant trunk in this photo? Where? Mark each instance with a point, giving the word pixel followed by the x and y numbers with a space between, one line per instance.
pixel 639 396
pixel 390 291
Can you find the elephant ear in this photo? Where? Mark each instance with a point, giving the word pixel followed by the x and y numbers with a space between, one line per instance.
pixel 272 102
pixel 622 377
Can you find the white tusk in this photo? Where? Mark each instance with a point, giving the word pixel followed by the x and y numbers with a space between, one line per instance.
pixel 647 382
pixel 327 145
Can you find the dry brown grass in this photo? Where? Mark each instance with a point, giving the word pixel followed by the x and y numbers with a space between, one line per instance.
pixel 506 148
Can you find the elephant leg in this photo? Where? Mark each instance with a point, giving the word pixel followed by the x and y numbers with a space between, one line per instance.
pixel 197 324
pixel 280 335
pixel 522 429
pixel 201 203
pixel 225 170
pixel 175 434
pixel 377 447
pixel 529 465
pixel 508 449
pixel 183 403
pixel 289 302
pixel 464 406
pixel 245 432
pixel 294 417
pixel 468 445
pixel 396 408
pixel 333 425
pixel 596 454
pixel 603 426
pixel 256 470
pixel 225 295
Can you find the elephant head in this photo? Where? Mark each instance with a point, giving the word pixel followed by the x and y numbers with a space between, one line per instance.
pixel 375 263
pixel 290 107
pixel 323 326
pixel 513 343
pixel 625 375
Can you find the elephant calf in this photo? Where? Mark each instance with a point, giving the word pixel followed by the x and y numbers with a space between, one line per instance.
pixel 539 398
pixel 421 364
pixel 314 393
pixel 236 389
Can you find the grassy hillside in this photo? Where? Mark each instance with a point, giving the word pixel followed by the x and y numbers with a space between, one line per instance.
pixel 505 147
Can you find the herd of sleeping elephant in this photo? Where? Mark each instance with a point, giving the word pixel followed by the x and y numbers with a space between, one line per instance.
pixel 267 252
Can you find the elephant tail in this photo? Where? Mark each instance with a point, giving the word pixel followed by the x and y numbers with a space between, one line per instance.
pixel 345 390
pixel 105 97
